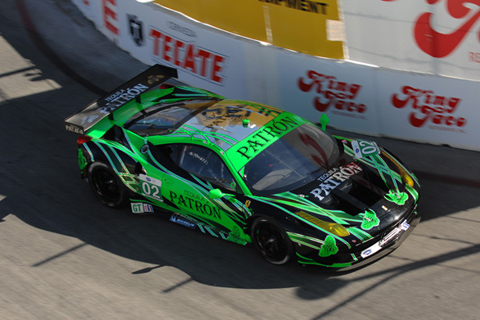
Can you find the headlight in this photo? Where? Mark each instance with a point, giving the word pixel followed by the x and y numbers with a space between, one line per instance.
pixel 332 227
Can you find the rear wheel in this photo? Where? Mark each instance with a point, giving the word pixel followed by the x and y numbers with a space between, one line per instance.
pixel 106 185
pixel 272 241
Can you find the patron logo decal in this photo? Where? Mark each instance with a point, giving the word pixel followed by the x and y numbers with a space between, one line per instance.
pixel 205 209
pixel 265 136
pixel 333 178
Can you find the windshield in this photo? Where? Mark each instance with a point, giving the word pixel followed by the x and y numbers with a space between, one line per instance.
pixel 294 160
pixel 160 117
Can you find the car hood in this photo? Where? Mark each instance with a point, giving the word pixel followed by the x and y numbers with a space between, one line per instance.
pixel 352 189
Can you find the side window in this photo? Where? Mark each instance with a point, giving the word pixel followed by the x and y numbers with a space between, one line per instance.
pixel 201 162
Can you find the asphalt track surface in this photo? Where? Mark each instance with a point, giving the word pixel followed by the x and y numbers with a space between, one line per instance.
pixel 65 256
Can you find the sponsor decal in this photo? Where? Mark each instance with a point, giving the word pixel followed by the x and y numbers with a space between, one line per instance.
pixel 74 128
pixel 389 237
pixel 363 148
pixel 265 136
pixel 370 220
pixel 186 31
pixel 369 251
pixel 139 208
pixel 404 225
pixel 122 96
pixel 303 5
pixel 150 187
pixel 430 109
pixel 332 93
pixel 399 198
pixel 196 205
pixel 89 119
pixel 182 221
pixel 198 61
pixel 136 29
pixel 228 115
pixel 110 19
pixel 328 248
pixel 333 178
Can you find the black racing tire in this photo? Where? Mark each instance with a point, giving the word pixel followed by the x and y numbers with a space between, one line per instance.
pixel 271 241
pixel 106 185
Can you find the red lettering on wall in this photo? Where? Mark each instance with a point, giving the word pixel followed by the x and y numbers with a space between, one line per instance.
pixel 428 107
pixel 110 16
pixel 187 56
pixel 332 93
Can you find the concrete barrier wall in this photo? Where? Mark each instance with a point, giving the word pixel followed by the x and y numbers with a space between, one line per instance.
pixel 363 98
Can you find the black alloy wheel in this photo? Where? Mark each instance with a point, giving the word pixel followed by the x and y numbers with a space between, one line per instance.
pixel 272 241
pixel 106 185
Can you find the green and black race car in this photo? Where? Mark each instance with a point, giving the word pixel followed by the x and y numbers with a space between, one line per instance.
pixel 244 172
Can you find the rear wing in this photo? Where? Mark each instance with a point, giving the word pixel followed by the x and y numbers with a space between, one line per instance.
pixel 85 119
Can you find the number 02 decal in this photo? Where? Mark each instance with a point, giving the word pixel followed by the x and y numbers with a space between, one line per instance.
pixel 363 148
pixel 150 187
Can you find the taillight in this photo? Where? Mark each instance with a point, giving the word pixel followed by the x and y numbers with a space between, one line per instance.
pixel 83 139
pixel 166 86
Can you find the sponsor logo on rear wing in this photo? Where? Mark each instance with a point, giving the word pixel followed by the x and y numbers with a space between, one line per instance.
pixel 85 119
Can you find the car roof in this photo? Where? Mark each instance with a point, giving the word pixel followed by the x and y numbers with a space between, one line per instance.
pixel 235 128
pixel 227 122
pixel 240 128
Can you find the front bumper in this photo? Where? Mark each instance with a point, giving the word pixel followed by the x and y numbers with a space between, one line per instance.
pixel 367 252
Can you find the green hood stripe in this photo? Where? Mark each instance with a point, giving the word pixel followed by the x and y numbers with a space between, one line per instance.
pixel 306 221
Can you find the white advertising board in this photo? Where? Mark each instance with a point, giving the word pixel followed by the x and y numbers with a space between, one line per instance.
pixel 395 34
pixel 430 109
pixel 203 56
pixel 430 36
pixel 344 91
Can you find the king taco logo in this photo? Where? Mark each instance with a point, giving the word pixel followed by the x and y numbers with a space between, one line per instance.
pixel 466 16
pixel 430 109
pixel 332 93
pixel 201 62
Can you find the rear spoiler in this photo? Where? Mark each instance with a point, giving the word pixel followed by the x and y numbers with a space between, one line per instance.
pixel 85 119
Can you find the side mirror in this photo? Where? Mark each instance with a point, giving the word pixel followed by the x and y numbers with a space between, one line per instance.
pixel 324 121
pixel 215 194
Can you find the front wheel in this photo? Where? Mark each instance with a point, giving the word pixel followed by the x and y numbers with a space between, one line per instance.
pixel 271 241
pixel 106 185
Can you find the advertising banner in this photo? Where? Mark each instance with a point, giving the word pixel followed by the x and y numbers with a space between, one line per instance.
pixel 430 109
pixel 428 36
pixel 204 57
pixel 299 25
pixel 344 91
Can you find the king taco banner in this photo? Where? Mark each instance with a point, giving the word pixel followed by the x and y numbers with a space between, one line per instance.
pixel 426 108
pixel 428 36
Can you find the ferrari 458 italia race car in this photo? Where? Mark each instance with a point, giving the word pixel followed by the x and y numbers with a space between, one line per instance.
pixel 244 172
